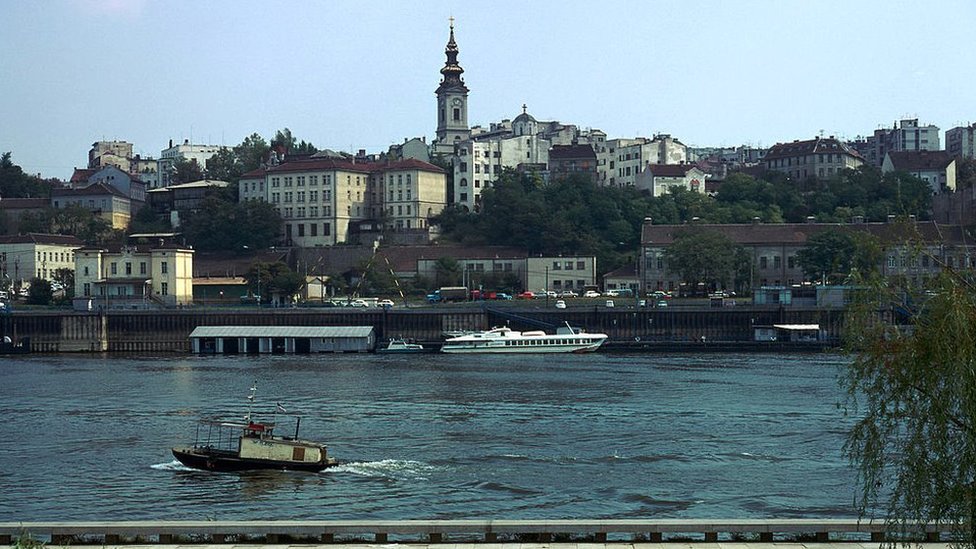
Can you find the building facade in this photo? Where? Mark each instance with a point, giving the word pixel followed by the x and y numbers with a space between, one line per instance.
pixel 132 277
pixel 321 200
pixel 819 158
pixel 936 168
pixel 187 151
pixel 23 257
pixel 620 161
pixel 908 135
pixel 101 199
pixel 659 179
pixel 961 141
pixel 569 160
pixel 914 250
pixel 561 273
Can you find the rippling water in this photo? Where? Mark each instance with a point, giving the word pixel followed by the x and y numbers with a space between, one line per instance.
pixel 438 436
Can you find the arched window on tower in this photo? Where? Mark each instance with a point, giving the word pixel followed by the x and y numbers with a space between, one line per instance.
pixel 457 115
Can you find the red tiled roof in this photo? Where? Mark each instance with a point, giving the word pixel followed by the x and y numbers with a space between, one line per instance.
pixel 917 161
pixel 42 238
pixel 810 146
pixel 81 175
pixel 566 152
pixel 670 170
pixel 328 164
pixel 255 174
pixel 798 233
pixel 95 189
pixel 23 203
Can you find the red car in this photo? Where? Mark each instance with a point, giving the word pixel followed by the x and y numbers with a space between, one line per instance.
pixel 526 295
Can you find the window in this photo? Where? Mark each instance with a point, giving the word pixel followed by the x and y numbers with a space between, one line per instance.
pixel 580 265
pixel 86 270
pixel 763 262
pixel 556 266
pixel 87 289
pixel 457 114
pixel 128 268
pixel 164 288
pixel 314 229
pixel 164 267
pixel 142 267
pixel 569 265
pixel 326 229
pixel 115 268
pixel 301 229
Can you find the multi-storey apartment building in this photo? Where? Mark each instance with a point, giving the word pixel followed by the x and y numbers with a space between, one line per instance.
pixel 32 255
pixel 186 151
pixel 100 198
pixel 569 160
pixel 619 161
pixel 818 158
pixel 907 135
pixel 321 198
pixel 961 141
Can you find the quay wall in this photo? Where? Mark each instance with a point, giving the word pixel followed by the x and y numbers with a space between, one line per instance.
pixel 635 328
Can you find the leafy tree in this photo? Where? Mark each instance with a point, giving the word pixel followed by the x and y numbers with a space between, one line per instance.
pixel 914 394
pixel 832 255
pixel 146 220
pixel 14 183
pixel 252 152
pixel 225 165
pixel 447 272
pixel 66 277
pixel 291 144
pixel 218 224
pixel 965 173
pixel 705 256
pixel 40 292
pixel 186 171
pixel 274 279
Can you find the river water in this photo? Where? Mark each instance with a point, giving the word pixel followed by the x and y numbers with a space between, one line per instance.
pixel 433 436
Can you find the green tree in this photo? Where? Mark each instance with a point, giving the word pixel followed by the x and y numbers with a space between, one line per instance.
pixel 447 272
pixel 965 173
pixel 284 138
pixel 186 171
pixel 14 183
pixel 218 224
pixel 40 292
pixel 705 256
pixel 273 280
pixel 831 256
pixel 913 393
pixel 252 152
pixel 66 277
pixel 146 220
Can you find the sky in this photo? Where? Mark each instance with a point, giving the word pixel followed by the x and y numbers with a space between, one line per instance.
pixel 350 75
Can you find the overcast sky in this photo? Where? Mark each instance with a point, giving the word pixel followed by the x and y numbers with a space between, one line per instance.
pixel 362 74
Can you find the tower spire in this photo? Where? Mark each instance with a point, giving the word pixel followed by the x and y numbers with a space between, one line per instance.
pixel 452 71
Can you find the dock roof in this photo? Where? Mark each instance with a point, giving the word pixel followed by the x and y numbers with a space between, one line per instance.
pixel 282 331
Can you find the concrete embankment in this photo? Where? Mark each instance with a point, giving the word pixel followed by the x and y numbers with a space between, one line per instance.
pixel 630 329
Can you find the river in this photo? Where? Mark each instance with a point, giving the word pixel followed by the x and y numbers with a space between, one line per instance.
pixel 433 436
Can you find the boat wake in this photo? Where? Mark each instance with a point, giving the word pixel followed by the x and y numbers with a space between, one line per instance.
pixel 387 468
pixel 171 466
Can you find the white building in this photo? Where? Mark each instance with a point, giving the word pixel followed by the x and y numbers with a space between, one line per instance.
pixel 659 179
pixel 619 161
pixel 907 135
pixel 133 277
pixel 185 151
pixel 23 257
pixel 961 141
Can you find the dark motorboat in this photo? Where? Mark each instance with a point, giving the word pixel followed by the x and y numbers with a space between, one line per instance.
pixel 249 445
pixel 8 347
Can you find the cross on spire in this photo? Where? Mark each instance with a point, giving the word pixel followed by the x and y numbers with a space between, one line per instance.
pixel 524 108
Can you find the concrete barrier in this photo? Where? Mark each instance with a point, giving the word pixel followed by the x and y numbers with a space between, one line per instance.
pixel 435 531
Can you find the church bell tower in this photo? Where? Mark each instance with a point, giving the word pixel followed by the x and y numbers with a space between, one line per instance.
pixel 452 102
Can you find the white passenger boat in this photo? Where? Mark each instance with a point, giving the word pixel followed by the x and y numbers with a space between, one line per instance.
pixel 506 340
pixel 400 346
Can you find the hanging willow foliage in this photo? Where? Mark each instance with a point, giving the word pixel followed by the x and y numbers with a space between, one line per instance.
pixel 912 387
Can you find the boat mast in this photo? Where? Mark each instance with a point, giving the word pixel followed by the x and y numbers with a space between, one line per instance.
pixel 250 400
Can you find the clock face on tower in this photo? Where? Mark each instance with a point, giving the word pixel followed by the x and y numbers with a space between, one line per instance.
pixel 457 101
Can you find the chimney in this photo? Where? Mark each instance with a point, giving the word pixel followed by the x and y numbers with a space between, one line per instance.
pixel 171 143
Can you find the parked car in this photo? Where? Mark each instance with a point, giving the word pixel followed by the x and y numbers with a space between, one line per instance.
pixel 384 303
pixel 609 303
pixel 613 293
pixel 560 304
pixel 660 294
pixel 591 293
pixel 504 296
pixel 547 293
pixel 358 303
pixel 661 303
pixel 568 293
pixel 526 295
